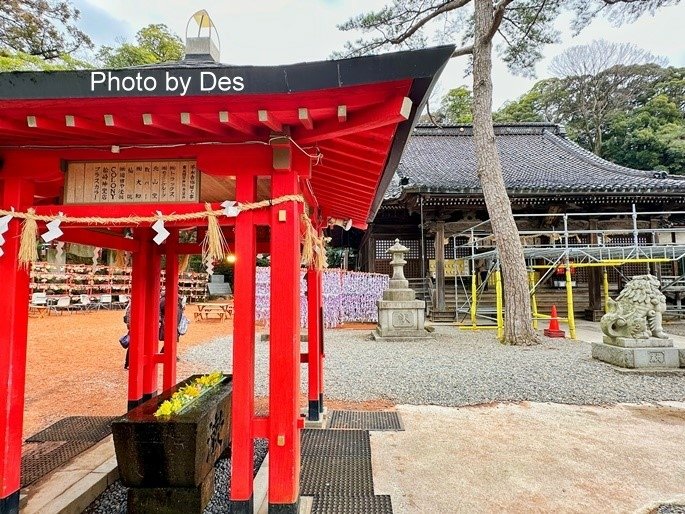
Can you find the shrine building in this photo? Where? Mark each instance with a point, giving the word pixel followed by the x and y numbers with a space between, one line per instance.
pixel 564 198
pixel 266 156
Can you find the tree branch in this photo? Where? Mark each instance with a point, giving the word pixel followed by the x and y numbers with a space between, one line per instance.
pixel 446 7
pixel 497 15
pixel 464 50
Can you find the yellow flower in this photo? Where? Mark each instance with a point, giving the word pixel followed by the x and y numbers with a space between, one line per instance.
pixel 188 393
pixel 193 391
pixel 165 409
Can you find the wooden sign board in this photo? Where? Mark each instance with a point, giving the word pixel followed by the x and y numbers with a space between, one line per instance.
pixel 453 267
pixel 131 182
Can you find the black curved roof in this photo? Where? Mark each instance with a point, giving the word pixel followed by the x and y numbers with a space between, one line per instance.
pixel 536 158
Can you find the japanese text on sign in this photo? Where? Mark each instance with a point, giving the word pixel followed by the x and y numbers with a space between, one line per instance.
pixel 131 182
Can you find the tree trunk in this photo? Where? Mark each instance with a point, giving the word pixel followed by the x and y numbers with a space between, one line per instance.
pixel 518 328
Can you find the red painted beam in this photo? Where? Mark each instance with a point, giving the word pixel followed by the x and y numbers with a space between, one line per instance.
pixel 305 118
pixel 231 120
pixel 346 196
pixel 348 157
pixel 364 173
pixel 326 173
pixel 267 118
pixel 394 111
pixel 344 179
pixel 352 147
pixel 99 238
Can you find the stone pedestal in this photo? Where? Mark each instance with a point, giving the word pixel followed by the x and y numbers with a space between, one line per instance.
pixel 628 352
pixel 400 314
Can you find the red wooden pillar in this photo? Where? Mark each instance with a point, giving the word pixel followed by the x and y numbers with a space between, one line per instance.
pixel 171 312
pixel 284 349
pixel 242 411
pixel 139 278
pixel 314 348
pixel 152 315
pixel 14 303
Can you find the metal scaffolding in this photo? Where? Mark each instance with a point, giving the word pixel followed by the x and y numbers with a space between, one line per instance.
pixel 564 250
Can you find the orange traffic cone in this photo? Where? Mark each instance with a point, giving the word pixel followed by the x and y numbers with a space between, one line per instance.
pixel 553 329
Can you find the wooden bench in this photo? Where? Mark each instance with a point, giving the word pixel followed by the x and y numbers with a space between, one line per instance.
pixel 211 312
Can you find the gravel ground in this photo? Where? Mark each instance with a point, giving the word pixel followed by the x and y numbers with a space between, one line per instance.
pixel 677 328
pixel 671 509
pixel 113 499
pixel 459 368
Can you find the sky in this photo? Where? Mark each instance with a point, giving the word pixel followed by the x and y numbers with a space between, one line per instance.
pixel 271 32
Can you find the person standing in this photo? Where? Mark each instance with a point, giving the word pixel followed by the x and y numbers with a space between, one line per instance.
pixel 181 324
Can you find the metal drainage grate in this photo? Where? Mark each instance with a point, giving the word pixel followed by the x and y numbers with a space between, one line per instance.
pixel 326 504
pixel 76 428
pixel 366 420
pixel 42 457
pixel 345 476
pixel 335 443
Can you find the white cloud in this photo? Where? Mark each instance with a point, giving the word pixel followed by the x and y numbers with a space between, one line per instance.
pixel 267 32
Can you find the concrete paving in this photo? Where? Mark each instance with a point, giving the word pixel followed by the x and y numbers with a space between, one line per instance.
pixel 532 457
pixel 73 486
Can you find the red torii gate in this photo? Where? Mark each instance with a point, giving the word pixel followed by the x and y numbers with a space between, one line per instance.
pixel 330 131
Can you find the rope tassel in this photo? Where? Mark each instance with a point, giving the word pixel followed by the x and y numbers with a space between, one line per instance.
pixel 214 244
pixel 313 247
pixel 28 251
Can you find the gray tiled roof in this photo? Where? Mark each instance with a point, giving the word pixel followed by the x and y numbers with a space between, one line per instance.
pixel 536 158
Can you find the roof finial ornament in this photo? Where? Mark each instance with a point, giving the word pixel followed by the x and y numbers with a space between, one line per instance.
pixel 202 46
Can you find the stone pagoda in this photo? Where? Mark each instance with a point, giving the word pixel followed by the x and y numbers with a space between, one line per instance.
pixel 400 314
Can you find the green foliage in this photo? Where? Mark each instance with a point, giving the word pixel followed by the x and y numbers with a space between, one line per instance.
pixel 531 106
pixel 334 257
pixel 42 28
pixel 652 137
pixel 640 120
pixel 19 61
pixel 456 106
pixel 155 43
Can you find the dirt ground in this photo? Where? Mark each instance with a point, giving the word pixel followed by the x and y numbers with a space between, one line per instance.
pixel 75 366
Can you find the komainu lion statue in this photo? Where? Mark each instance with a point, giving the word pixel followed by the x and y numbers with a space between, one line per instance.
pixel 636 313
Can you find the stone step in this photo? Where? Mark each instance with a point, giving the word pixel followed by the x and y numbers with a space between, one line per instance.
pixel 442 315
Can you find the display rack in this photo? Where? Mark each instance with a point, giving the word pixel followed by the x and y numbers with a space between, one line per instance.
pixel 78 279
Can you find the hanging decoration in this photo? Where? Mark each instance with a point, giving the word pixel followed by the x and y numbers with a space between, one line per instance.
pixel 96 257
pixel 60 251
pixel 28 252
pixel 4 227
pixel 313 246
pixel 348 296
pixel 231 208
pixel 53 229
pixel 162 233
pixel 209 264
pixel 214 244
